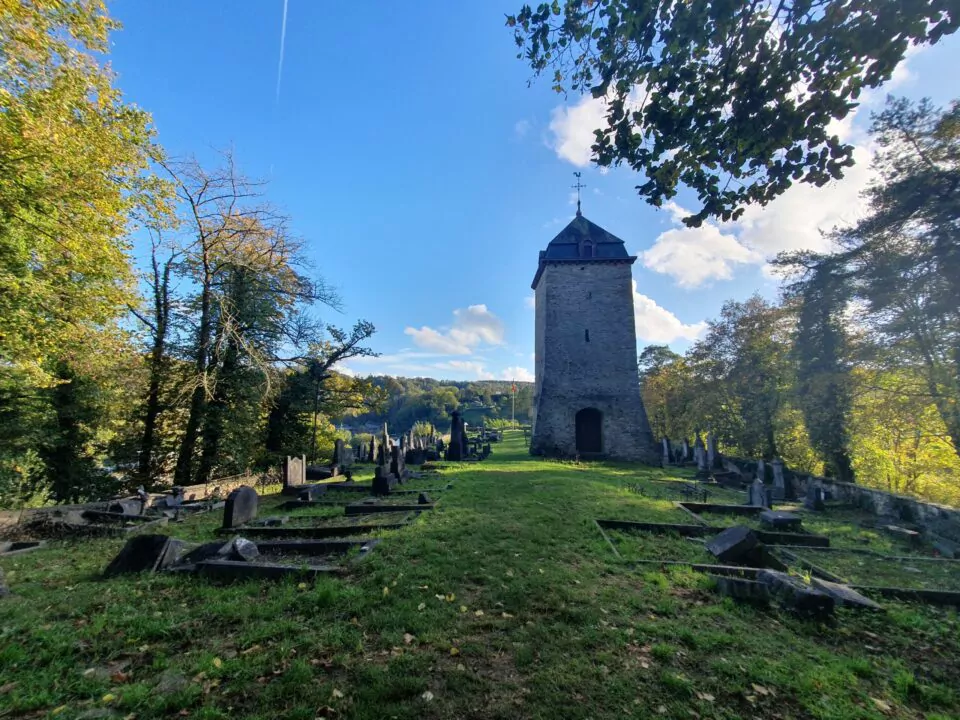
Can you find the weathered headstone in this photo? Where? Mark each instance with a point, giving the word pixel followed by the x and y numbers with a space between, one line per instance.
pixel 398 463
pixel 814 498
pixel 294 471
pixel 383 480
pixel 733 544
pixel 700 454
pixel 757 494
pixel 667 454
pixel 145 553
pixel 456 450
pixel 761 470
pixel 779 489
pixel 685 447
pixel 779 520
pixel 713 457
pixel 241 507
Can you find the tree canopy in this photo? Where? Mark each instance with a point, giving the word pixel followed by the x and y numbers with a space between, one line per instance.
pixel 731 99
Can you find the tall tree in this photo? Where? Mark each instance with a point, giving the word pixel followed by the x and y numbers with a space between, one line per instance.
pixel 732 99
pixel 824 382
pixel 72 157
pixel 905 253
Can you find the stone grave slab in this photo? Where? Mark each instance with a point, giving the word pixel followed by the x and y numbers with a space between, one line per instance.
pixel 796 595
pixel 779 520
pixel 733 544
pixel 844 595
pixel 751 591
pixel 20 547
pixel 241 570
pixel 145 553
pixel 369 508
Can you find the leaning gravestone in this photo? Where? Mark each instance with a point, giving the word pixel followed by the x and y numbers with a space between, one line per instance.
pixel 241 507
pixel 757 494
pixel 145 552
pixel 733 544
pixel 383 480
pixel 713 457
pixel 795 594
pixel 844 595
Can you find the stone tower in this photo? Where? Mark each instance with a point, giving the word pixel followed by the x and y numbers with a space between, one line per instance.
pixel 587 397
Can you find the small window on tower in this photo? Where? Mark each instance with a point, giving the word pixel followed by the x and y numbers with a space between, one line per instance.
pixel 586 335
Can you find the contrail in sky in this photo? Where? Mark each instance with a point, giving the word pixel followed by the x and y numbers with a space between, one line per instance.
pixel 283 39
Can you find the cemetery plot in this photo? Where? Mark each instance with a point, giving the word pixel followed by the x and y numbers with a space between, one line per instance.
pixel 870 569
pixel 640 546
pixel 331 527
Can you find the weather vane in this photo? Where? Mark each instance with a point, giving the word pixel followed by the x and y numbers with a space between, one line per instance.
pixel 577 188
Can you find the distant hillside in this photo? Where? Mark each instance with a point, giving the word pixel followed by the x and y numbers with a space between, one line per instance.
pixel 414 400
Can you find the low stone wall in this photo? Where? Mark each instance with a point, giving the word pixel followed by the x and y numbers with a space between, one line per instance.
pixel 906 509
pixel 215 488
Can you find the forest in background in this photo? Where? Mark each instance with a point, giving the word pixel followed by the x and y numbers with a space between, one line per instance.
pixel 855 372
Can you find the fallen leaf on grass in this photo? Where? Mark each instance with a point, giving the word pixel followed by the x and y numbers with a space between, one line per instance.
pixel 759 689
pixel 454 651
pixel 451 597
pixel 427 696
pixel 706 696
pixel 506 615
pixel 461 667
pixel 509 573
pixel 421 606
pixel 885 706
pixel 58 710
pixel 408 638
pixel 109 697
pixel 541 570
pixel 217 662
pixel 251 649
pixel 463 608
pixel 662 709
pixel 441 598
pixel 386 591
pixel 337 694
pixel 302 586
pixel 478 613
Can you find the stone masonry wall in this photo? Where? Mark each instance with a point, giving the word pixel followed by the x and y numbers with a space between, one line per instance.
pixel 573 373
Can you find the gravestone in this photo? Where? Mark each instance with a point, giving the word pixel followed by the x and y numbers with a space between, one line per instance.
pixel 241 507
pixel 339 451
pixel 685 447
pixel 814 498
pixel 456 449
pixel 757 494
pixel 779 520
pixel 779 489
pixel 372 450
pixel 667 454
pixel 397 464
pixel 145 553
pixel 713 457
pixel 733 544
pixel 423 499
pixel 383 458
pixel 383 480
pixel 700 454
pixel 294 471
pixel 761 470
pixel 243 549
pixel 742 589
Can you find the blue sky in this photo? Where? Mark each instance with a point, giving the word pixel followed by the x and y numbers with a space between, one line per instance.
pixel 425 175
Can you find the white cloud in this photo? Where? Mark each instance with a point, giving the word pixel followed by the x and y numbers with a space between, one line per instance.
pixel 472 327
pixel 659 325
pixel 572 129
pixel 692 256
pixel 530 302
pixel 517 373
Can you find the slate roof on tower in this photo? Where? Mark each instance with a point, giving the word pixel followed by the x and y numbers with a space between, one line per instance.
pixel 583 241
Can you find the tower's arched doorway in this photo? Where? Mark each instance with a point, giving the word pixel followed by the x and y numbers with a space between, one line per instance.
pixel 589 436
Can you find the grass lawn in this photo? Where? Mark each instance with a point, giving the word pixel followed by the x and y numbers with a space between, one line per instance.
pixel 504 602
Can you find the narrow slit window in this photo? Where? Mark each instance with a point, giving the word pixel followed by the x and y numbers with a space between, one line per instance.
pixel 586 335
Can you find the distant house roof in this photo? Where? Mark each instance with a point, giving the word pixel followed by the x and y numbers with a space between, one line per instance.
pixel 583 241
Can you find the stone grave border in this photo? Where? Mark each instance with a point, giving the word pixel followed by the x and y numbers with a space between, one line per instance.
pixel 20 547
pixel 768 537
pixel 928 596
pixel 316 532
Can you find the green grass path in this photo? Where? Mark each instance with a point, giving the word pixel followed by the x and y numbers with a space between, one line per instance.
pixel 505 602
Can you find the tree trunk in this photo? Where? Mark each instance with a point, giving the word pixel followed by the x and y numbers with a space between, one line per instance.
pixel 145 469
pixel 198 401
